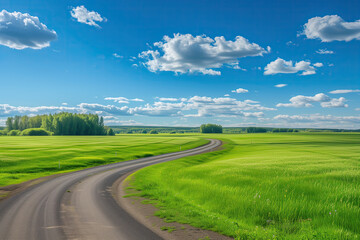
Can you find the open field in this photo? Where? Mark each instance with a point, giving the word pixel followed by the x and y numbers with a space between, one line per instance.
pixel 264 186
pixel 25 158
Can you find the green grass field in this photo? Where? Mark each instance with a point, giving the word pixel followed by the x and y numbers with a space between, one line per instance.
pixel 264 186
pixel 24 158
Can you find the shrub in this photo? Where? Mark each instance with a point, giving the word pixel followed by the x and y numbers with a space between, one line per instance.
pixel 35 132
pixel 153 132
pixel 3 132
pixel 14 133
pixel 144 131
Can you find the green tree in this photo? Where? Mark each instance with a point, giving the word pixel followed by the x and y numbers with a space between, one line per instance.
pixel 211 128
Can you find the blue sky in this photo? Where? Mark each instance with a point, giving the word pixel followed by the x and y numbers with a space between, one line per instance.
pixel 220 62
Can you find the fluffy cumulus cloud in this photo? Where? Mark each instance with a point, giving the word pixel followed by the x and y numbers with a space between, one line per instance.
pixel 318 120
pixel 21 30
pixel 341 91
pixel 82 15
pixel 332 28
pixel 184 53
pixel 307 101
pixel 224 107
pixel 196 106
pixel 240 90
pixel 8 110
pixel 324 51
pixel 281 85
pixel 160 109
pixel 282 66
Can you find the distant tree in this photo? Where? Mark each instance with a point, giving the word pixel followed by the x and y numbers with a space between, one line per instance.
pixel 144 131
pixel 153 132
pixel 211 128
pixel 9 123
pixel 256 130
pixel 110 132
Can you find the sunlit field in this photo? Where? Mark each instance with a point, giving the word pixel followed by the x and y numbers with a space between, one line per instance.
pixel 24 158
pixel 264 186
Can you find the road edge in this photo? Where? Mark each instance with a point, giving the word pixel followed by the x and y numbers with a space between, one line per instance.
pixel 143 211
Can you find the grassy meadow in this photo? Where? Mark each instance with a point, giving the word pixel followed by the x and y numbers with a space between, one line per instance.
pixel 264 186
pixel 23 158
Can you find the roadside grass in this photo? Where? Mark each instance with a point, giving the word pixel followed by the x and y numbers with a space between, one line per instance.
pixel 264 186
pixel 24 158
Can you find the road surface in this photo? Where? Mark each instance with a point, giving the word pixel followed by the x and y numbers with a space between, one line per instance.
pixel 80 205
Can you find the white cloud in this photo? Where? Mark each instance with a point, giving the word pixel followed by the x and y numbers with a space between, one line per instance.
pixel 332 28
pixel 280 85
pixel 318 64
pixel 100 109
pixel 82 15
pixel 64 104
pixel 21 30
pixel 189 54
pixel 114 122
pixel 282 66
pixel 117 99
pixel 8 110
pixel 117 55
pixel 324 51
pixel 196 106
pixel 291 43
pixel 240 90
pixel 306 101
pixel 161 109
pixel 341 91
pixel 167 99
pixel 136 100
pixel 123 99
pixel 317 120
pixel 224 107
pixel 227 95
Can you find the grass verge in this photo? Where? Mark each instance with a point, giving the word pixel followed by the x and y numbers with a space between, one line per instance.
pixel 25 158
pixel 264 186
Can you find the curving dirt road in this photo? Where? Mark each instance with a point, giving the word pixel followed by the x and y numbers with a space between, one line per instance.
pixel 80 205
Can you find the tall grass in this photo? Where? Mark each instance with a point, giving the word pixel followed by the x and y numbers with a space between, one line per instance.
pixel 24 158
pixel 264 186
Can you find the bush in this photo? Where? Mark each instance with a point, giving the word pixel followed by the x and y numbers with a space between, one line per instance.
pixel 3 132
pixel 144 131
pixel 35 132
pixel 14 133
pixel 153 132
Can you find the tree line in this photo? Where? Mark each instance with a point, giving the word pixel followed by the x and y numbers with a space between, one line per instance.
pixel 211 128
pixel 61 124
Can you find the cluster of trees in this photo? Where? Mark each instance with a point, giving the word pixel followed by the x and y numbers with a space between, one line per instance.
pixel 59 124
pixel 256 130
pixel 148 129
pixel 285 130
pixel 211 128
